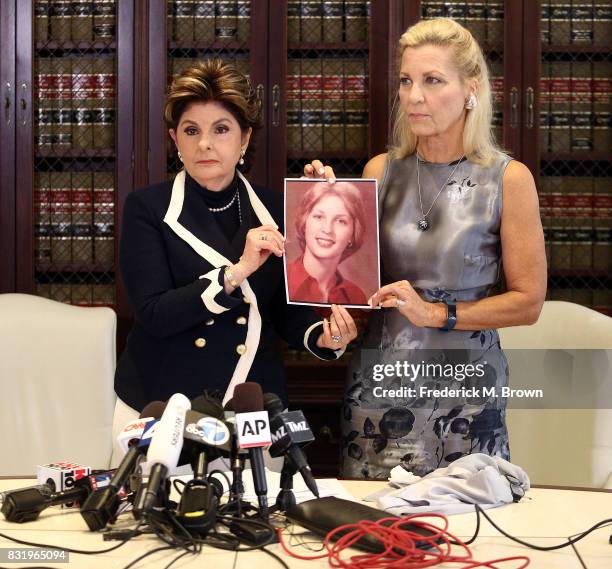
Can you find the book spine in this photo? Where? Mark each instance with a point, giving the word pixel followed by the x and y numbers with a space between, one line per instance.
pixel 81 25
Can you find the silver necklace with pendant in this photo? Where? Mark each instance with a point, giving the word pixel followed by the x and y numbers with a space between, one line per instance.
pixel 424 224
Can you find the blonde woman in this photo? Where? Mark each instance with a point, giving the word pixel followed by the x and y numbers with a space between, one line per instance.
pixel 456 215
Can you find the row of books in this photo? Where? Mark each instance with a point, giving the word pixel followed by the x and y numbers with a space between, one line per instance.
pixel 327 104
pixel 208 20
pixel 599 298
pixel 485 20
pixel 578 247
pixel 82 294
pixel 75 20
pixel 578 22
pixel 332 21
pixel 76 102
pixel 562 131
pixel 74 218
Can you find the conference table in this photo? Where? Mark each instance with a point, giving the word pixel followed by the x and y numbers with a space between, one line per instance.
pixel 545 516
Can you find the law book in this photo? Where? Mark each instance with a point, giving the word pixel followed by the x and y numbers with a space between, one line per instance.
pixel 204 21
pixel 60 18
pixel 170 20
pixel 61 223
pixel 545 23
pixel 602 90
pixel 581 29
pixel 226 19
pixel 311 21
pixel 243 20
pixel 311 94
pixel 581 128
pixel 81 203
pixel 602 301
pixel 560 18
pixel 104 218
pixel 476 21
pixel 81 25
pixel 560 107
pixel 356 105
pixel 104 19
pixel 333 104
pixel 581 207
pixel 293 21
pixel 184 20
pixel 46 89
pixel 83 102
pixel 42 220
pixel 41 20
pixel 103 95
pixel 602 23
pixel 294 113
pixel 495 23
pixel 103 295
pixel 356 18
pixel 332 21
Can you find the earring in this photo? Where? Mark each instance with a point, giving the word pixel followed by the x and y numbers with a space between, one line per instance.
pixel 471 103
pixel 242 152
pixel 180 156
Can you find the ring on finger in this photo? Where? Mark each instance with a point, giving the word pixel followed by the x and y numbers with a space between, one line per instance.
pixel 336 339
pixel 399 302
pixel 263 237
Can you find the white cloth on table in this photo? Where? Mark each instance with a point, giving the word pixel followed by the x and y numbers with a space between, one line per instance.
pixel 488 481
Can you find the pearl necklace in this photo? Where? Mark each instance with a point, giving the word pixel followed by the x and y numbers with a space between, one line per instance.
pixel 225 207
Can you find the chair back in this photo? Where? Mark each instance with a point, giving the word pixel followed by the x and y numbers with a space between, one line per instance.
pixel 57 364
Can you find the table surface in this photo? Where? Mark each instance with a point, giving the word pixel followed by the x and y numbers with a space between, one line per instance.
pixel 545 517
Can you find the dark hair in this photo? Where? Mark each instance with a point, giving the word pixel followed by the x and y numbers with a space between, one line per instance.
pixel 215 80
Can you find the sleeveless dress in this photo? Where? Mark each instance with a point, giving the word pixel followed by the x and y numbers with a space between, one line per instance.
pixel 424 397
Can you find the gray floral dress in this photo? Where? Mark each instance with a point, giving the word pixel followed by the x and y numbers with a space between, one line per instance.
pixel 424 397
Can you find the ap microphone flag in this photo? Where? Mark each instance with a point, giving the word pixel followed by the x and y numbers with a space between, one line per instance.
pixel 253 429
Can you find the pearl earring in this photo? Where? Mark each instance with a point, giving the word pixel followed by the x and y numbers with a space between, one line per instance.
pixel 471 103
pixel 241 161
pixel 180 156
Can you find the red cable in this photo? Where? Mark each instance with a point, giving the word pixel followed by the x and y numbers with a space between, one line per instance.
pixel 399 544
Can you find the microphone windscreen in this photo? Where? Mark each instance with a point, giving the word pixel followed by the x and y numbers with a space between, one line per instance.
pixel 153 409
pixel 273 404
pixel 207 406
pixel 248 397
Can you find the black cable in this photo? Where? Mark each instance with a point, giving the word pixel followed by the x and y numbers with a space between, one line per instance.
pixel 272 554
pixel 229 484
pixel 571 541
pixel 177 558
pixel 144 555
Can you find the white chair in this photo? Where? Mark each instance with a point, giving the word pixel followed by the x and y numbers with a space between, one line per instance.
pixel 56 382
pixel 569 350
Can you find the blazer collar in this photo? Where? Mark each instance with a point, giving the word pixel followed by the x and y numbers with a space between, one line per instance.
pixel 195 225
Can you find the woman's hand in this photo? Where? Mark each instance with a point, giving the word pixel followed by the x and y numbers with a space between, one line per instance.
pixel 402 296
pixel 316 169
pixel 261 242
pixel 338 331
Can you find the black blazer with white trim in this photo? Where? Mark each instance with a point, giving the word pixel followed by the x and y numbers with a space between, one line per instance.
pixel 188 334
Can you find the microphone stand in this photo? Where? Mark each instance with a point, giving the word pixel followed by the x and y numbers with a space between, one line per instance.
pixel 286 497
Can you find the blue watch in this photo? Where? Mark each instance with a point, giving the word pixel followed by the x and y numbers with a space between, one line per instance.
pixel 451 315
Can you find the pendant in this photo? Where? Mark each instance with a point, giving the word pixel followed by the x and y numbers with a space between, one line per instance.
pixel 423 224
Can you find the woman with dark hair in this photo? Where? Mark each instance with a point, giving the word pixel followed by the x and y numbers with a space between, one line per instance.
pixel 201 260
pixel 330 226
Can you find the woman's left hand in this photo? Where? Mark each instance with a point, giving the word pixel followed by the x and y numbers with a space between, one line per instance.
pixel 339 330
pixel 402 296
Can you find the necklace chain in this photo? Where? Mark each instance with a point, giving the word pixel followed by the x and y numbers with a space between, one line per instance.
pixel 423 223
pixel 236 197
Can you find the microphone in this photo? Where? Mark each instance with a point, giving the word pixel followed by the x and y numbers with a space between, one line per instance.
pixel 289 431
pixel 26 504
pixel 253 430
pixel 165 447
pixel 101 507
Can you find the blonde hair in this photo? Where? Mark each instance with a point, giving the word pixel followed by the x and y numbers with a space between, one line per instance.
pixel 478 142
pixel 215 80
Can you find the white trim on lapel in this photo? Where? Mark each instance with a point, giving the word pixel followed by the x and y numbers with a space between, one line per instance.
pixel 217 260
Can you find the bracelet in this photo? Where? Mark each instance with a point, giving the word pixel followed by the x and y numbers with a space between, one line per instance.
pixel 230 277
